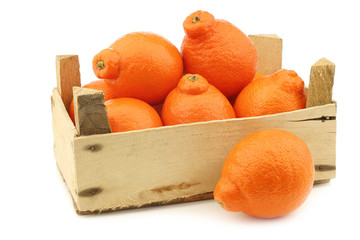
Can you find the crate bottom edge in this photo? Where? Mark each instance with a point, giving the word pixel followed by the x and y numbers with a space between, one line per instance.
pixel 197 197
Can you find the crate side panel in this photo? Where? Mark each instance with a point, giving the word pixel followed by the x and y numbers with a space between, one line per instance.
pixel 148 167
pixel 320 137
pixel 64 132
pixel 159 165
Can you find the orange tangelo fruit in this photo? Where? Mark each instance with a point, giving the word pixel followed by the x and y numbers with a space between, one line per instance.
pixel 195 100
pixel 267 174
pixel 127 114
pixel 140 65
pixel 218 51
pixel 97 85
pixel 233 98
pixel 257 76
pixel 282 91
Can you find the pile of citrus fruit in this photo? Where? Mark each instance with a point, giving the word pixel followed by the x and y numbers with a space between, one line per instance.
pixel 148 83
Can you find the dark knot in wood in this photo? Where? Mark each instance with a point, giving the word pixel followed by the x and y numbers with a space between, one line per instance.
pixel 90 192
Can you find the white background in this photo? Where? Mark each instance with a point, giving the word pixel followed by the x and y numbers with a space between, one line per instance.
pixel 34 201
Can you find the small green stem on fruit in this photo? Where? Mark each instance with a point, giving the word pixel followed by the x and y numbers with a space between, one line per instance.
pixel 196 19
pixel 193 78
pixel 100 64
pixel 220 203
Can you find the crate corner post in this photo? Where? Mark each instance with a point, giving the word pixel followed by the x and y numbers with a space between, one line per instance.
pixel 269 49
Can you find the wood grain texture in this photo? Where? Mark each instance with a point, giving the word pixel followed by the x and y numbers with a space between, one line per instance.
pixel 198 197
pixel 269 50
pixel 90 113
pixel 68 75
pixel 140 168
pixel 321 83
pixel 64 133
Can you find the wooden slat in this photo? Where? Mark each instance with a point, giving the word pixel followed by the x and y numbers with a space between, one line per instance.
pixel 90 113
pixel 68 76
pixel 269 50
pixel 64 133
pixel 321 83
pixel 162 165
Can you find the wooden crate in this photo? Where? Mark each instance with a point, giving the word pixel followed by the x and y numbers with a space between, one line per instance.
pixel 173 164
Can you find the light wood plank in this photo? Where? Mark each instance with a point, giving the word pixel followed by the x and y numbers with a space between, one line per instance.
pixel 68 76
pixel 64 133
pixel 321 83
pixel 269 50
pixel 90 113
pixel 163 165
